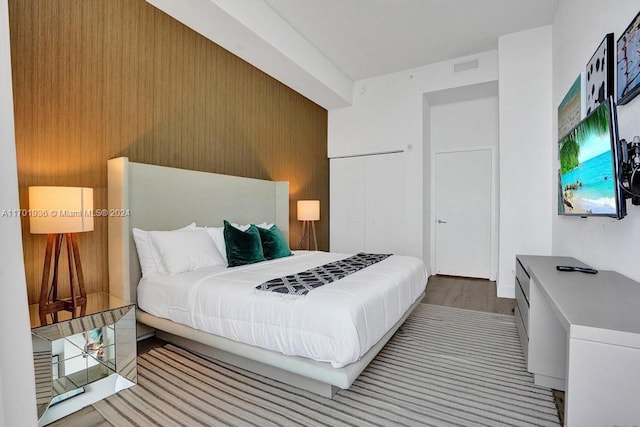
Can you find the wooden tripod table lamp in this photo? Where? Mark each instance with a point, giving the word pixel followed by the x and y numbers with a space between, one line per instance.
pixel 308 213
pixel 61 212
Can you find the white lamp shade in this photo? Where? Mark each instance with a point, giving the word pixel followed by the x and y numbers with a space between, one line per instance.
pixel 308 210
pixel 54 210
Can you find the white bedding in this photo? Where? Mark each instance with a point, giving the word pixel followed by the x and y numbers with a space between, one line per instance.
pixel 335 323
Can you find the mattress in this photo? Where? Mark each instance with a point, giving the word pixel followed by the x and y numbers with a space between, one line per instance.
pixel 335 323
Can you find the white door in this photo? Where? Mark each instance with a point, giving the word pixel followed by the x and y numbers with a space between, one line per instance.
pixel 346 206
pixel 384 203
pixel 367 204
pixel 463 213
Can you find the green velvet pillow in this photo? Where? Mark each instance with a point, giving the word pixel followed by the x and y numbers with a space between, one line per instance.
pixel 273 243
pixel 243 247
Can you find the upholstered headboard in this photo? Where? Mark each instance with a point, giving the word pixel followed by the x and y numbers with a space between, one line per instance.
pixel 162 198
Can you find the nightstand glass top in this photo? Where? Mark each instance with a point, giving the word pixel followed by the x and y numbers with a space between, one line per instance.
pixel 97 302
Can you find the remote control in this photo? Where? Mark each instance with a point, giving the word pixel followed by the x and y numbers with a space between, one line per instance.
pixel 580 269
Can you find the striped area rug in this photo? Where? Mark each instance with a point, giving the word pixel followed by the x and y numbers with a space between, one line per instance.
pixel 444 367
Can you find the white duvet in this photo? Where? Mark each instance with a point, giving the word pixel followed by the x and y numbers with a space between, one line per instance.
pixel 335 323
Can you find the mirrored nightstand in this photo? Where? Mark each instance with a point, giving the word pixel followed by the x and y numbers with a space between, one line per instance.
pixel 82 357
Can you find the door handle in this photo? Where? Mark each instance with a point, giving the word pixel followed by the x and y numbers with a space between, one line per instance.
pixel 441 221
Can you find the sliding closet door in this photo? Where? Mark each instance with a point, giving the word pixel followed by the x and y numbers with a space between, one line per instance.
pixel 367 204
pixel 384 203
pixel 347 199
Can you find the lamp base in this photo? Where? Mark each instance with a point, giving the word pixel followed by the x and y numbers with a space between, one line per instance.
pixel 308 227
pixel 65 304
pixel 49 302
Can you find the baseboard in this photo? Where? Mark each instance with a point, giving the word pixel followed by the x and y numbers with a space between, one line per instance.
pixel 506 291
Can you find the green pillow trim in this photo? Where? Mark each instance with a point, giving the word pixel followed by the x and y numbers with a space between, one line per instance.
pixel 243 247
pixel 273 243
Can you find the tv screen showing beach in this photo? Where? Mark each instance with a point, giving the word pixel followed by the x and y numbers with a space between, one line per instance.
pixel 587 172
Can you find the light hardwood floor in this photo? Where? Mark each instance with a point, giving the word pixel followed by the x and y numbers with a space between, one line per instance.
pixel 471 294
pixel 459 292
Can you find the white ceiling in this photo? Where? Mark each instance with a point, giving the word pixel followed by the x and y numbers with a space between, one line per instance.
pixel 366 38
pixel 320 48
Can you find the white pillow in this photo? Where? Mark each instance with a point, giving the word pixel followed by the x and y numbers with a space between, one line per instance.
pixel 243 227
pixel 187 250
pixel 265 225
pixel 150 262
pixel 217 235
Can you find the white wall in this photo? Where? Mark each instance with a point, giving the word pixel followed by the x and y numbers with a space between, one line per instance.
pixel 578 29
pixel 465 124
pixel 526 146
pixel 387 110
pixel 17 386
pixel 388 114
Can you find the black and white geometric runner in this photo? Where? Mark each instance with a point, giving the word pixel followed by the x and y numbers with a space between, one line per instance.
pixel 301 283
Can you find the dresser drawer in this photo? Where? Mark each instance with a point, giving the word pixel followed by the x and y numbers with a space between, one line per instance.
pixel 523 306
pixel 522 334
pixel 522 277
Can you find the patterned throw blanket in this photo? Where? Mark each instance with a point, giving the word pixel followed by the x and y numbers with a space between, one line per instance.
pixel 301 283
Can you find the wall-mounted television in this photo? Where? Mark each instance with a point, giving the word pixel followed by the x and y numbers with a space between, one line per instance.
pixel 589 167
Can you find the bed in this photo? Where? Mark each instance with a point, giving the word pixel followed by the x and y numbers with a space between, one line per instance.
pixel 153 197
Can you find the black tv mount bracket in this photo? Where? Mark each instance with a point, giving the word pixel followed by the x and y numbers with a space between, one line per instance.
pixel 629 175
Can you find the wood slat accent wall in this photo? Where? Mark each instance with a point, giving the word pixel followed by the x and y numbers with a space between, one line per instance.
pixel 97 79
